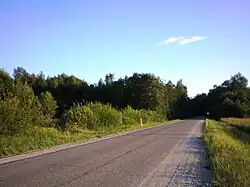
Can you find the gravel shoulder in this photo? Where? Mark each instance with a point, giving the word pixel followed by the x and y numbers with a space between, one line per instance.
pixel 186 165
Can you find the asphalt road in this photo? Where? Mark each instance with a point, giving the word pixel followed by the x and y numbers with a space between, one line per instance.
pixel 122 161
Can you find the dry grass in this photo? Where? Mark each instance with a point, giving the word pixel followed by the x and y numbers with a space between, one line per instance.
pixel 238 128
pixel 236 121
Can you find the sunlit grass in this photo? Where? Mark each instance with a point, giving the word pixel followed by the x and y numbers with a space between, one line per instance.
pixel 236 121
pixel 230 156
pixel 38 138
pixel 41 137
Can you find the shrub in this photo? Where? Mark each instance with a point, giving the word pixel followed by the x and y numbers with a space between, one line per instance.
pixel 107 116
pixel 13 117
pixel 151 116
pixel 93 116
pixel 130 116
pixel 5 83
pixel 48 104
pixel 20 109
pixel 81 116
pixel 97 115
pixel 29 103
pixel 48 108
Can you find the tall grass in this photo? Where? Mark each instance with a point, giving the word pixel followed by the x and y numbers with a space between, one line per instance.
pixel 38 138
pixel 44 137
pixel 93 120
pixel 236 121
pixel 230 156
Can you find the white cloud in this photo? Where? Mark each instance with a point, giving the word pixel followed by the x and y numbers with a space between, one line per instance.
pixel 182 40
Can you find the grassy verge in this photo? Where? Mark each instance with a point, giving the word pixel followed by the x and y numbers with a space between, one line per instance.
pixel 41 137
pixel 229 154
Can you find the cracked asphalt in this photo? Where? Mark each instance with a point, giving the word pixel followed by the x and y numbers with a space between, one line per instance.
pixel 128 160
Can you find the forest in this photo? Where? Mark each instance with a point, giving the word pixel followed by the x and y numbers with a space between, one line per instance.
pixel 52 97
pixel 63 102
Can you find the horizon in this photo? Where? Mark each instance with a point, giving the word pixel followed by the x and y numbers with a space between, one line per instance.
pixel 88 40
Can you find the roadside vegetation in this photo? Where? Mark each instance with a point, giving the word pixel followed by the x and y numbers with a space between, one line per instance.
pixel 45 137
pixel 228 145
pixel 228 137
pixel 28 123
pixel 39 112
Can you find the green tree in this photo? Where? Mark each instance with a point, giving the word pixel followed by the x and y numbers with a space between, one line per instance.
pixel 48 104
pixel 5 83
pixel 19 110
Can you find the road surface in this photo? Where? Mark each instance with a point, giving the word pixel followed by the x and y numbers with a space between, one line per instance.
pixel 129 160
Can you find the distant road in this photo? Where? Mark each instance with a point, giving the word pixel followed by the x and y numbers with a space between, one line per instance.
pixel 121 161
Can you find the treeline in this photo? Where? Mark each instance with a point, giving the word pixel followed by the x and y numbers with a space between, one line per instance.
pixel 230 99
pixel 61 101
pixel 140 91
pixel 28 99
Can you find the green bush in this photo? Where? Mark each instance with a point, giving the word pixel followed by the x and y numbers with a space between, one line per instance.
pixel 93 116
pixel 152 116
pixel 147 116
pixel 5 83
pixel 81 116
pixel 48 108
pixel 107 115
pixel 19 110
pixel 132 116
pixel 48 104
pixel 13 117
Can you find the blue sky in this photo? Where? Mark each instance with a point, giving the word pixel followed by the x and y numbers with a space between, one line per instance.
pixel 90 38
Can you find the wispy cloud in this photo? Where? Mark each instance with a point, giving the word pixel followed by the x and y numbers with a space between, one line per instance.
pixel 182 40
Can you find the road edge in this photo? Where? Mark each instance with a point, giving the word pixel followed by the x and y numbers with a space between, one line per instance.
pixel 150 177
pixel 63 147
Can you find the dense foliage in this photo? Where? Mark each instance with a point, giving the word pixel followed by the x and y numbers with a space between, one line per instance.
pixel 64 101
pixel 230 99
